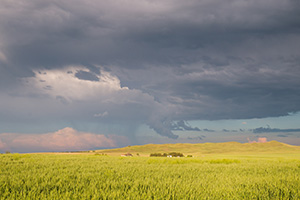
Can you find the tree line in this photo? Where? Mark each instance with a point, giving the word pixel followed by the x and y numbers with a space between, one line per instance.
pixel 172 154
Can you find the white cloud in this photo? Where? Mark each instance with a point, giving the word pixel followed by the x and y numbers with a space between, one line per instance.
pixel 64 83
pixel 71 96
pixel 60 96
pixel 67 139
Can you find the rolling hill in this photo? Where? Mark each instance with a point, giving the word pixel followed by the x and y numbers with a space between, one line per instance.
pixel 272 147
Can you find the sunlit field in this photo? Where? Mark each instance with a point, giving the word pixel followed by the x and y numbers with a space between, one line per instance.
pixel 97 176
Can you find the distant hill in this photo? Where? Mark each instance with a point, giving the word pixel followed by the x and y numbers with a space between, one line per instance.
pixel 206 148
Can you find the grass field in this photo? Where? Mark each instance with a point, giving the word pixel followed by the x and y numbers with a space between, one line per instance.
pixel 255 174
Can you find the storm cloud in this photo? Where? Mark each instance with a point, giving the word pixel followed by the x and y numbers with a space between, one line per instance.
pixel 148 62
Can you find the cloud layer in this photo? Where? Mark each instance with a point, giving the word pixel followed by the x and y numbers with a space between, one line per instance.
pixel 157 62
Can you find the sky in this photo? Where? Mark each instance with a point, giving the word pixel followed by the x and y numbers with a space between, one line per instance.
pixel 78 75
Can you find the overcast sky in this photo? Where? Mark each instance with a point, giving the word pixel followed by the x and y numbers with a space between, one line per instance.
pixel 95 74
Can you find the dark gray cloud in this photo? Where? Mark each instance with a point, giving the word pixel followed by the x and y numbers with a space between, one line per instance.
pixel 183 126
pixel 169 32
pixel 274 130
pixel 174 61
pixel 84 75
pixel 162 127
pixel 196 138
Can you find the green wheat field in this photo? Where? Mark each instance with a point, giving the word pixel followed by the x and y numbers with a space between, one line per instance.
pixel 215 171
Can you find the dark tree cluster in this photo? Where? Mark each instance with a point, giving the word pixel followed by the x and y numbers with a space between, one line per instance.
pixel 172 154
